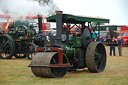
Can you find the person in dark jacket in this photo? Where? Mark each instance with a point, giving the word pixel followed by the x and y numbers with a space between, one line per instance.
pixel 120 43
pixel 101 39
pixel 112 46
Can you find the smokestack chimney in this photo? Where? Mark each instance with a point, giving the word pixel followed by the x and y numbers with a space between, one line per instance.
pixel 58 41
pixel 40 23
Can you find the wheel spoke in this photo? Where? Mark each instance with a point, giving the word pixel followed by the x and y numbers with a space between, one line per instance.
pixel 7 42
pixel 3 40
pixel 97 56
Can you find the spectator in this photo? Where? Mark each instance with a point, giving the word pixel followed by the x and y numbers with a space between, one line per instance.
pixel 108 39
pixel 120 43
pixel 101 39
pixel 108 36
pixel 112 46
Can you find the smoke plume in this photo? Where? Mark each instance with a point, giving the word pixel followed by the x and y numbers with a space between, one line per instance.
pixel 23 7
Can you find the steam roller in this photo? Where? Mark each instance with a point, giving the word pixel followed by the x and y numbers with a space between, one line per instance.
pixel 71 48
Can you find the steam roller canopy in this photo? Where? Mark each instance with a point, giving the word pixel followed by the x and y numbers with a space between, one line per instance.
pixel 86 37
pixel 43 60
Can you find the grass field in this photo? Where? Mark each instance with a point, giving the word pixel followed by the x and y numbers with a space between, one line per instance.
pixel 16 72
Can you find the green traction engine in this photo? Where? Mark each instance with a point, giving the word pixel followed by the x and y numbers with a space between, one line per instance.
pixel 72 48
pixel 19 41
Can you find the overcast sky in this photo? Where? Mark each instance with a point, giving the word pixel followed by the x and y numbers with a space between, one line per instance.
pixel 115 10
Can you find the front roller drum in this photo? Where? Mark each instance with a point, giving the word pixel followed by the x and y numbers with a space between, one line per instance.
pixel 96 57
pixel 40 65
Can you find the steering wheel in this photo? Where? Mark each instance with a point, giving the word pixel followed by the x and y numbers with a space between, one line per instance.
pixel 21 28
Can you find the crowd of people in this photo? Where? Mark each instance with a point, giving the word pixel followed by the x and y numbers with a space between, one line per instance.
pixel 119 44
pixel 112 43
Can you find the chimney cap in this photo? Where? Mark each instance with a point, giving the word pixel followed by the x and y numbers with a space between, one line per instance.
pixel 39 15
pixel 59 12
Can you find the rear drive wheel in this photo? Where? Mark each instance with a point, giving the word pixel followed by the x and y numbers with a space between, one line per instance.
pixel 7 46
pixel 96 57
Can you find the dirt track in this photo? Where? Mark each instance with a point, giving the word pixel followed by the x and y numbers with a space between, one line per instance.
pixel 124 51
